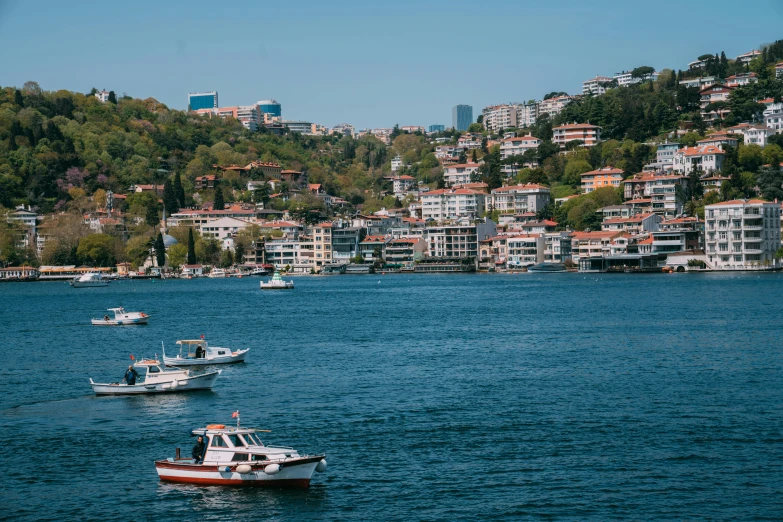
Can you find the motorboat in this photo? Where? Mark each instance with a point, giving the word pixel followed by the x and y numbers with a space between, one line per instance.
pixel 237 457
pixel 199 353
pixel 547 267
pixel 88 280
pixel 259 271
pixel 217 272
pixel 158 379
pixel 277 283
pixel 121 317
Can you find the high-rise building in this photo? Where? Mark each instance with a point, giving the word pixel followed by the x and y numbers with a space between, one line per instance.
pixel 461 117
pixel 202 100
pixel 270 107
pixel 437 128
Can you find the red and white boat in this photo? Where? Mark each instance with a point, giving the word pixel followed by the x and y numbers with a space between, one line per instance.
pixel 235 456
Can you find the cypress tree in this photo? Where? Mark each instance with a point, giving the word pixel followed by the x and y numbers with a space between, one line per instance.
pixel 160 250
pixel 112 97
pixel 239 252
pixel 18 100
pixel 178 190
pixel 219 204
pixel 170 202
pixel 191 248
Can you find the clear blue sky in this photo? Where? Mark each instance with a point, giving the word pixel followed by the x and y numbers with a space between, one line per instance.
pixel 372 64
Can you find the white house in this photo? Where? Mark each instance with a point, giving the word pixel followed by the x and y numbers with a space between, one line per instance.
pixel 222 228
pixel 192 270
pixel 773 114
pixel 519 198
pixel 459 174
pixel 742 234
pixel 402 184
pixel 755 134
pixel 516 147
pixel 452 204
pixel 707 158
pixel 595 85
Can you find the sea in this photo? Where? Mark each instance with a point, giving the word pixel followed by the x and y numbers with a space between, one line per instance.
pixel 435 397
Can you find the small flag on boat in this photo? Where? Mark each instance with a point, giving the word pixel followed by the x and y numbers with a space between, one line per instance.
pixel 132 357
pixel 235 414
pixel 202 336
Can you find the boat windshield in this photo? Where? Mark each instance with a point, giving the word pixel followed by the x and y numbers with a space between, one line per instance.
pixel 251 439
pixel 236 440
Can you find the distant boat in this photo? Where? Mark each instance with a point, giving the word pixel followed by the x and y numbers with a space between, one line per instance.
pixel 217 272
pixel 88 280
pixel 547 267
pixel 199 353
pixel 121 317
pixel 277 283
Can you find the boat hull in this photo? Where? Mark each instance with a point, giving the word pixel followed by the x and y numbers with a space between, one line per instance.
pixel 120 322
pixel 287 286
pixel 176 361
pixel 198 382
pixel 88 284
pixel 296 474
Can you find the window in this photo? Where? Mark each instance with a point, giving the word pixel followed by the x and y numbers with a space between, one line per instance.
pixel 240 457
pixel 236 441
pixel 218 442
pixel 259 457
pixel 153 369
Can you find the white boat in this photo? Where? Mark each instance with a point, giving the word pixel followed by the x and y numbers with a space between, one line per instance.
pixel 238 457
pixel 199 353
pixel 89 279
pixel 217 272
pixel 121 317
pixel 277 283
pixel 258 271
pixel 158 380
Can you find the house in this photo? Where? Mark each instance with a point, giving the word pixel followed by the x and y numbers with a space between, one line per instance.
pixel 192 270
pixel 753 134
pixel 402 184
pixel 396 163
pixel 699 83
pixel 747 57
pixel 223 228
pixel 738 80
pixel 742 234
pixel 452 203
pixel 459 174
pixel 707 158
pixel 779 70
pixel 588 134
pixel 204 182
pixel 773 113
pixel 596 86
pixel 714 94
pixel 603 177
pixel 373 248
pixel 712 182
pixel 533 227
pixel 635 224
pixel 517 147
pixel 405 251
pixel 457 241
pixel 719 139
pixel 18 272
pixel 557 247
pixel 592 244
pixel 662 189
pixel 470 140
pixel 158 189
pixel 554 106
pixel 519 199
pixel 197 217
pixel 525 250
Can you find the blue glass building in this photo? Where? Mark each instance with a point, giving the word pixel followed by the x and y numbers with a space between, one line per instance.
pixel 461 117
pixel 202 100
pixel 437 128
pixel 270 107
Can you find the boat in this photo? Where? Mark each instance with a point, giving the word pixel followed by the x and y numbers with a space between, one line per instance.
pixel 217 272
pixel 277 283
pixel 199 353
pixel 259 271
pixel 89 279
pixel 236 456
pixel 547 267
pixel 121 317
pixel 158 379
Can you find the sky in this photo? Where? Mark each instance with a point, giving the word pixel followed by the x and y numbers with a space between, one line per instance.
pixel 368 63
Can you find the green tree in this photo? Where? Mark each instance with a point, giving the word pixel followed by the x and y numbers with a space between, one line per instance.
pixel 170 202
pixel 178 255
pixel 239 252
pixel 218 204
pixel 179 191
pixel 226 259
pixel 97 250
pixel 112 97
pixel 191 248
pixel 160 250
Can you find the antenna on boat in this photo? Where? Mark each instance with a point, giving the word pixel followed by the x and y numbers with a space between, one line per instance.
pixel 236 415
pixel 163 348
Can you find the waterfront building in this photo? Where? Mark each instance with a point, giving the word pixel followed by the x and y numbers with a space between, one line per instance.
pixel 635 224
pixel 18 272
pixel 525 250
pixel 405 251
pixel 373 248
pixel 742 234
pixel 592 244
pixel 461 117
pixel 202 100
pixel 272 108
pixel 436 128
pixel 459 174
pixel 596 86
pixel 604 177
pixel 449 204
pixel 322 245
pixel 702 158
pixel 588 134
pixel 518 199
pixel 345 243
pixel 457 241
pixel 557 247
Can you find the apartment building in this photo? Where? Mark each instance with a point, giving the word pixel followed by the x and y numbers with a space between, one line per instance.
pixel 402 184
pixel 557 247
pixel 516 146
pixel 282 252
pixel 773 113
pixel 405 251
pixel 373 248
pixel 720 139
pixel 660 188
pixel 752 134
pixel 518 199
pixel 588 134
pixel 457 241
pixel 738 80
pixel 706 159
pixel 440 205
pixel 527 113
pixel 222 228
pixel 592 244
pixel 747 57
pixel 624 79
pixel 525 250
pixel 470 140
pixel 322 245
pixel 604 177
pixel 554 106
pixel 596 86
pixel 499 117
pixel 635 224
pixel 742 234
pixel 459 174
pixel 713 94
pixel 345 243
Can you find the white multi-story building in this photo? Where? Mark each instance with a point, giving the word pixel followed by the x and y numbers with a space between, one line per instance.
pixel 282 252
pixel 747 57
pixel 447 204
pixel 102 95
pixel 519 199
pixel 588 134
pixel 396 163
pixel 779 70
pixel 446 152
pixel 742 234
pixel 516 147
pixel 344 129
pixel 223 228
pixel 470 140
pixel 525 250
pixel 402 184
pixel 706 158
pixel 596 85
pixel 553 106
pixel 737 80
pixel 773 114
pixel 527 114
pixel 457 241
pixel 661 189
pixel 624 79
pixel 499 117
pixel 699 83
pixel 459 174
pixel 557 247
pixel 753 134
pixel 713 94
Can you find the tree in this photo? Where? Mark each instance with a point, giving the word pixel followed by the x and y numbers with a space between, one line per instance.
pixel 463 156
pixel 191 248
pixel 177 255
pixel 112 98
pixel 475 127
pixel 239 252
pixel 179 191
pixel 144 204
pixel 261 194
pixel 170 202
pixel 160 250
pixel 226 259
pixel 218 204
pixel 18 100
pixel 97 250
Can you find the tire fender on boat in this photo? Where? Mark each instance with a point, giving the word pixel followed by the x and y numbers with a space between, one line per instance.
pixel 321 466
pixel 272 469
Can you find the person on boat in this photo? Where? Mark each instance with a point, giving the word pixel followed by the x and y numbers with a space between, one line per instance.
pixel 131 375
pixel 199 352
pixel 105 317
pixel 198 450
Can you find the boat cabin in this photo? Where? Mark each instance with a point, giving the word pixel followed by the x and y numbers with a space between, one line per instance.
pixel 199 349
pixel 157 373
pixel 226 444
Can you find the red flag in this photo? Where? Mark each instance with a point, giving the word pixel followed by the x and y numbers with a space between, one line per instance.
pixel 132 357
pixel 202 336
pixel 235 414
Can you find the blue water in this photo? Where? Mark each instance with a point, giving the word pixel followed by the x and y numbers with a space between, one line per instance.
pixel 434 397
